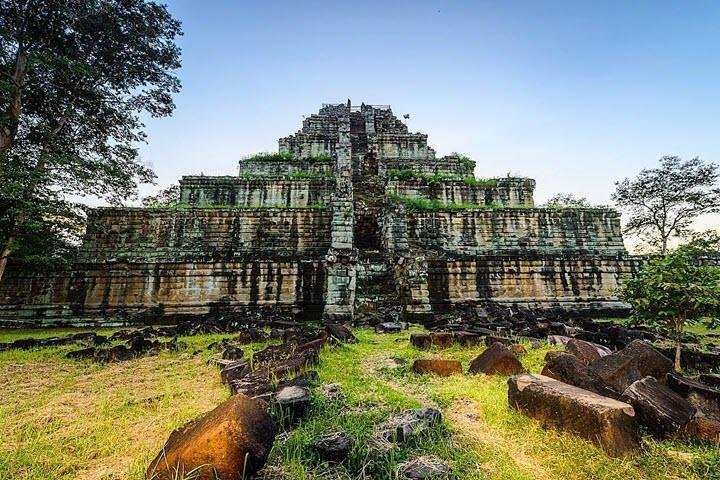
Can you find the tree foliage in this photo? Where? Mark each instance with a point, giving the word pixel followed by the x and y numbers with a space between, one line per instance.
pixel 567 200
pixel 663 202
pixel 75 78
pixel 167 197
pixel 677 289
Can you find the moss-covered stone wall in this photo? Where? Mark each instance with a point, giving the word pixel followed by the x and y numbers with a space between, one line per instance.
pixel 506 192
pixel 121 292
pixel 186 234
pixel 514 230
pixel 256 192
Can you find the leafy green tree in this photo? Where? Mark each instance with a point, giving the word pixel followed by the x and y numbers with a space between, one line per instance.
pixel 663 202
pixel 566 200
pixel 677 289
pixel 167 197
pixel 75 78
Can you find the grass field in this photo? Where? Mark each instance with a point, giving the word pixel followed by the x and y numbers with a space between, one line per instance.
pixel 64 419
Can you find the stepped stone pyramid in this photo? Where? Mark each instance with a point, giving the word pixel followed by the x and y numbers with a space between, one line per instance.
pixel 354 217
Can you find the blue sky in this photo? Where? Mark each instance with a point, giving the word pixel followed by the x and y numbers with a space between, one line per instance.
pixel 574 94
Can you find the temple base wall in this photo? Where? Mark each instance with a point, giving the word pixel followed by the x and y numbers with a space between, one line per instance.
pixel 122 293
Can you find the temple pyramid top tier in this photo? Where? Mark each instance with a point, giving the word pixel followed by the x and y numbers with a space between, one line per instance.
pixel 378 140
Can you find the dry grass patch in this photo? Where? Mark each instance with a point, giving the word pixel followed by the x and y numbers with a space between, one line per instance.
pixel 62 419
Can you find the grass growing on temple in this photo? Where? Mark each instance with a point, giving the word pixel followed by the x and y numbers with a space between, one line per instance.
pixel 64 419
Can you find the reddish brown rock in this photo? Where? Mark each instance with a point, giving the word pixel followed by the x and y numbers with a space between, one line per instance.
pixel 518 349
pixel 587 352
pixel 701 428
pixel 490 339
pixel 496 360
pixel 230 442
pixel 421 340
pixel 442 339
pixel 634 362
pixel 467 339
pixel 444 368
pixel 602 420
pixel 569 369
pixel 662 411
pixel 549 356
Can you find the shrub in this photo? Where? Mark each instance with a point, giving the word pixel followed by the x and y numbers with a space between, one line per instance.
pixel 480 182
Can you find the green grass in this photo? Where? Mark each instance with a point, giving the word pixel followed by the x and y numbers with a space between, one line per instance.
pixel 481 182
pixel 62 419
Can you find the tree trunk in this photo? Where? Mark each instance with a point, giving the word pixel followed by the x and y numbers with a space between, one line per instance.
pixel 679 325
pixel 678 351
pixel 5 254
pixel 12 112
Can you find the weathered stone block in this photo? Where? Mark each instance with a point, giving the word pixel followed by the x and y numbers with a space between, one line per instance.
pixel 442 339
pixel 609 423
pixel 232 440
pixel 587 352
pixel 636 361
pixel 443 368
pixel 569 369
pixel 704 429
pixel 496 360
pixel 662 411
pixel 702 397
pixel 423 341
pixel 467 339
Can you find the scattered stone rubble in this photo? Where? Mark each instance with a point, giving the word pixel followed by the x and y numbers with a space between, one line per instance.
pixel 588 389
pixel 577 389
pixel 603 369
pixel 275 383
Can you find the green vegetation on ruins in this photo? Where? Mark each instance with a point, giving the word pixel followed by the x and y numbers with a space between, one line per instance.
pixel 437 178
pixel 64 419
pixel 466 162
pixel 288 157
